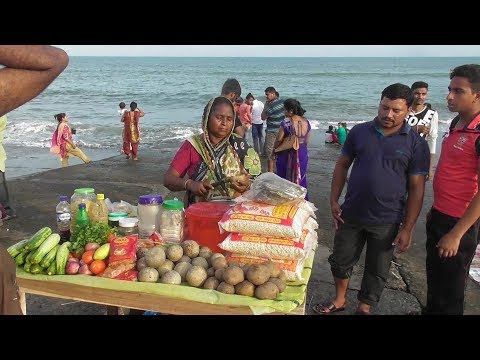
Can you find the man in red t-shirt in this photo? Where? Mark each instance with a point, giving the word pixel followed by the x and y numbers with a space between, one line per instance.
pixel 452 223
pixel 245 115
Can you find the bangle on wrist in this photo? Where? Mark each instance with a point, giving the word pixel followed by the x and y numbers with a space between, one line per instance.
pixel 185 183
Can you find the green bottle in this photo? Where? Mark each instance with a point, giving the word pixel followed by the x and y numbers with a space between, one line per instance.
pixel 82 215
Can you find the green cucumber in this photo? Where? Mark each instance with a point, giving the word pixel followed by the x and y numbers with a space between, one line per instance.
pixel 36 269
pixel 48 259
pixel 38 238
pixel 20 258
pixel 50 242
pixel 62 257
pixel 17 248
pixel 51 268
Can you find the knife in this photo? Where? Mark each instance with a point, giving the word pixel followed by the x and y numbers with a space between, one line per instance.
pixel 220 182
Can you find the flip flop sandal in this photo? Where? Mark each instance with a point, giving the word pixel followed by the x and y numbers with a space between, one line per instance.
pixel 325 309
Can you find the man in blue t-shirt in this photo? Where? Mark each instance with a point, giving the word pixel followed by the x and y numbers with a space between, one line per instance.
pixel 383 200
pixel 273 113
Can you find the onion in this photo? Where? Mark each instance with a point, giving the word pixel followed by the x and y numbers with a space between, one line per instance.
pixel 84 270
pixel 72 259
pixel 72 267
pixel 92 246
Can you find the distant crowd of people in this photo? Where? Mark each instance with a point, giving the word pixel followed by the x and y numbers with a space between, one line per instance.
pixel 336 136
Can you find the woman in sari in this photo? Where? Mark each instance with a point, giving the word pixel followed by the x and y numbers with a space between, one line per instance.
pixel 291 163
pixel 62 141
pixel 218 162
pixel 131 131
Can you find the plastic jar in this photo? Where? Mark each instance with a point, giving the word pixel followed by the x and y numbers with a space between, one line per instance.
pixel 171 220
pixel 82 195
pixel 202 222
pixel 127 226
pixel 147 210
pixel 114 218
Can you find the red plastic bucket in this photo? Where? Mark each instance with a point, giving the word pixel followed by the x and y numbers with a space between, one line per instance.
pixel 202 223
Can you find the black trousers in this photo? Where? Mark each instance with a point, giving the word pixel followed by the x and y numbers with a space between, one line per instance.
pixel 348 244
pixel 447 277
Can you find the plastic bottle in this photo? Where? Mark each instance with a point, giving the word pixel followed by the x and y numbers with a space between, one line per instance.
pixel 63 218
pixel 99 210
pixel 82 195
pixel 82 216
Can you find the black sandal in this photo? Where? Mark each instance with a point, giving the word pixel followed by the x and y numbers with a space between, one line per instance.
pixel 325 309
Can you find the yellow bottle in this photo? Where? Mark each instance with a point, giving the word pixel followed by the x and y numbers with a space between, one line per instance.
pixel 100 210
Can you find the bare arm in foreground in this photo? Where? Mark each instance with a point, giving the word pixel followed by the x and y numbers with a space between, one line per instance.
pixel 27 71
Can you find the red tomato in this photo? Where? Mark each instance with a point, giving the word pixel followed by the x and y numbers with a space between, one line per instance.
pixel 97 266
pixel 87 256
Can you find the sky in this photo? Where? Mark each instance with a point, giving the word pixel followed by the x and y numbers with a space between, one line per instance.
pixel 274 50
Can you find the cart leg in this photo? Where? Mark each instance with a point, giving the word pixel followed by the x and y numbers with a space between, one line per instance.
pixel 23 302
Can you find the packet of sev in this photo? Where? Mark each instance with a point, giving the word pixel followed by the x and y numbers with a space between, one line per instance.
pixel 291 267
pixel 285 221
pixel 123 256
pixel 267 246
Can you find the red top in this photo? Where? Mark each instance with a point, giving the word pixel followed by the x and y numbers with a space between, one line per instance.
pixel 186 159
pixel 455 181
pixel 245 115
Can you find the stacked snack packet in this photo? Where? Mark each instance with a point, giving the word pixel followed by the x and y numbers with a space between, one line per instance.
pixel 272 221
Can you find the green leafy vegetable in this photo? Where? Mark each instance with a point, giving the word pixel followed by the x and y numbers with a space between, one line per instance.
pixel 93 232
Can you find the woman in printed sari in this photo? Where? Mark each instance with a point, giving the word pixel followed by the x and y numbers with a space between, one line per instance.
pixel 131 131
pixel 62 141
pixel 218 162
pixel 291 163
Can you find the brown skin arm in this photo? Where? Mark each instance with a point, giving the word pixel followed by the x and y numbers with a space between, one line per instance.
pixel 264 114
pixel 28 70
pixel 140 111
pixel 422 129
pixel 338 182
pixel 449 243
pixel 416 190
pixel 432 161
pixel 173 182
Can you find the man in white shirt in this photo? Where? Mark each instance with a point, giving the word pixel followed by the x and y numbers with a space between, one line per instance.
pixel 329 134
pixel 257 126
pixel 424 119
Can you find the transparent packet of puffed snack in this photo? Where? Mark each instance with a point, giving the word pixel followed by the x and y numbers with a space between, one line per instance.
pixel 271 189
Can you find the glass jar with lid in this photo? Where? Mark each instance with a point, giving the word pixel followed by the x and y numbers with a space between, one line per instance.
pixel 81 195
pixel 128 226
pixel 147 210
pixel 171 221
pixel 114 218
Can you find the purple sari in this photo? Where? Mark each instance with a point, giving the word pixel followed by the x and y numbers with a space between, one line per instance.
pixel 292 164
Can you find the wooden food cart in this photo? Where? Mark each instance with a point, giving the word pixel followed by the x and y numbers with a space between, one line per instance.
pixel 163 298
